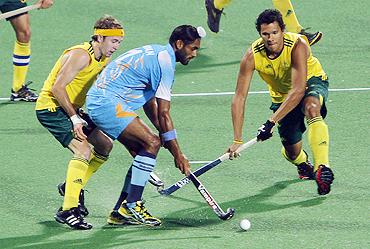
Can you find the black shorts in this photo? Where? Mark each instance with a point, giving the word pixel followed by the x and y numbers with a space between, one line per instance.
pixel 292 126
pixel 9 5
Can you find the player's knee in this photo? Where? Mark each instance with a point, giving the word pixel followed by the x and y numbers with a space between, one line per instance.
pixel 107 148
pixel 24 35
pixel 104 149
pixel 312 109
pixel 292 156
pixel 83 150
pixel 154 143
pixel 288 154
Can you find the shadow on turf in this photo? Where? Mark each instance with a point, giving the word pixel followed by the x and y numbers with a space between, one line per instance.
pixel 204 216
pixel 23 131
pixel 55 235
pixel 6 103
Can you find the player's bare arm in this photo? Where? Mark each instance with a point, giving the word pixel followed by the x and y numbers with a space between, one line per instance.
pixel 172 145
pixel 300 54
pixel 72 63
pixel 239 100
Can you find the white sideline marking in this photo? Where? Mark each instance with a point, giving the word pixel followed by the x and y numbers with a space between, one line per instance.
pixel 264 92
pixel 251 92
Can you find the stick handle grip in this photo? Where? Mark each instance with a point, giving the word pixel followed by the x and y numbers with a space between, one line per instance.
pixel 240 149
pixel 247 145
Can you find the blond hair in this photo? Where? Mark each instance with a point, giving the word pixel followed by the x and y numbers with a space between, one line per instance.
pixel 106 22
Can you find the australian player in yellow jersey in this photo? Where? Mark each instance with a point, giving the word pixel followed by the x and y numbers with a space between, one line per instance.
pixel 215 8
pixel 57 109
pixel 298 88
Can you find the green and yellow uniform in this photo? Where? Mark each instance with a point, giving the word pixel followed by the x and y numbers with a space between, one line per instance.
pixel 53 117
pixel 277 74
pixel 48 111
pixel 57 121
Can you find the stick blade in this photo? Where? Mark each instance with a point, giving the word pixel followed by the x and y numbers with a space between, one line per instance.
pixel 156 181
pixel 229 214
pixel 163 191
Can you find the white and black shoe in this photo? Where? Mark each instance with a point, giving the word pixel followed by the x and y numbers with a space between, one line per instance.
pixel 24 94
pixel 312 38
pixel 72 218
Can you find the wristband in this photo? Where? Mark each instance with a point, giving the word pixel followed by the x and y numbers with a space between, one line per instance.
pixel 76 120
pixel 169 135
pixel 236 141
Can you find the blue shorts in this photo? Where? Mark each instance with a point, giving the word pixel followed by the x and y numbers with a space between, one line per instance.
pixel 110 113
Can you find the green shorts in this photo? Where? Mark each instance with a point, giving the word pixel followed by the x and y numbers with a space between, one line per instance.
pixel 292 126
pixel 60 126
pixel 9 5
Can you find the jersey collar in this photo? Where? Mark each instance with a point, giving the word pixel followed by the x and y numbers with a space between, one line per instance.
pixel 172 54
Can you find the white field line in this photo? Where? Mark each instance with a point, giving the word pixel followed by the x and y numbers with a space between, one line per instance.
pixel 265 92
pixel 251 92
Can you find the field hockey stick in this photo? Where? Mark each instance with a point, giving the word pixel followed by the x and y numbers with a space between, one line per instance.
pixel 155 180
pixel 210 200
pixel 20 11
pixel 181 183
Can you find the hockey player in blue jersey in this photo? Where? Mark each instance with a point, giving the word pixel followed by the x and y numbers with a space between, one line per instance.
pixel 142 77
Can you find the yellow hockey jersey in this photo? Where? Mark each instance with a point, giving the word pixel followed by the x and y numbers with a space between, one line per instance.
pixel 277 72
pixel 78 87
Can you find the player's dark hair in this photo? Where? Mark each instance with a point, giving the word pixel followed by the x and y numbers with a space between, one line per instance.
pixel 269 16
pixel 106 22
pixel 185 33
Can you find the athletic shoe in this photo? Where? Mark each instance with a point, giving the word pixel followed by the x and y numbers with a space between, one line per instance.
pixel 214 16
pixel 72 218
pixel 305 171
pixel 312 38
pixel 81 200
pixel 138 215
pixel 24 94
pixel 324 178
pixel 115 218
